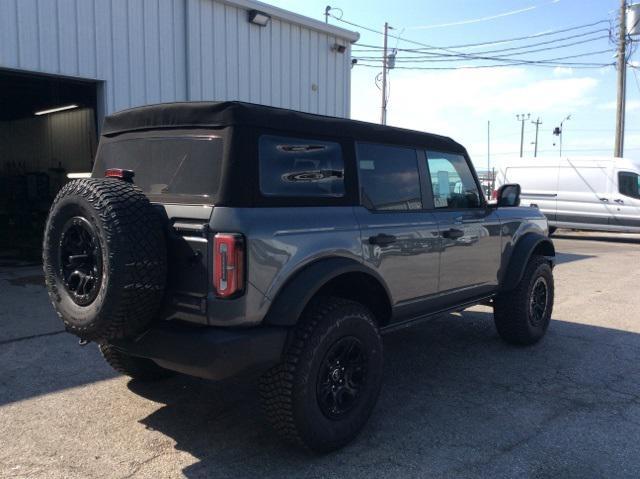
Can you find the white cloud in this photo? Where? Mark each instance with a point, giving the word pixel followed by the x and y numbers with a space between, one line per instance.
pixel 632 105
pixel 437 101
pixel 563 71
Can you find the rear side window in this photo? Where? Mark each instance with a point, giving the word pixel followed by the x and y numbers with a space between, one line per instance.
pixel 629 184
pixel 180 169
pixel 453 183
pixel 297 167
pixel 389 178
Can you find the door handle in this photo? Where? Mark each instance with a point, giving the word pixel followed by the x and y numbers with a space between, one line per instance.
pixel 453 233
pixel 606 200
pixel 619 201
pixel 382 239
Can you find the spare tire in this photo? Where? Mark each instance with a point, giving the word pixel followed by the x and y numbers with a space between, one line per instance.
pixel 104 257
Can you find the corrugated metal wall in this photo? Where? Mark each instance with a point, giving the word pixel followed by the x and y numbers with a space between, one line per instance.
pixel 150 51
pixel 282 64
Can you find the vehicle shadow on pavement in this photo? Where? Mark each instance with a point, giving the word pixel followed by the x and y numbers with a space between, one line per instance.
pixel 562 258
pixel 607 238
pixel 47 364
pixel 456 401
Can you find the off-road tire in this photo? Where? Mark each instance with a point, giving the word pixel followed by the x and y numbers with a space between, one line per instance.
pixel 289 391
pixel 131 246
pixel 512 310
pixel 137 368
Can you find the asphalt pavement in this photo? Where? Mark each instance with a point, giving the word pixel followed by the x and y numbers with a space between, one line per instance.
pixel 456 401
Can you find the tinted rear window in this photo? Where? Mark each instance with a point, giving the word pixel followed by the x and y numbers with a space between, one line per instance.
pixel 180 169
pixel 298 167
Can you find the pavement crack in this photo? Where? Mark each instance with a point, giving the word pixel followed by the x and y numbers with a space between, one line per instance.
pixel 140 465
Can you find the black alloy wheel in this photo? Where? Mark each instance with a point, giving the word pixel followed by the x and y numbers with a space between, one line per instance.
pixel 538 301
pixel 80 260
pixel 341 377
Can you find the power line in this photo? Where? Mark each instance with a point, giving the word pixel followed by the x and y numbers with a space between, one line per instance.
pixel 501 65
pixel 450 58
pixel 520 61
pixel 465 56
pixel 511 62
pixel 467 45
pixel 565 150
pixel 374 49
pixel 458 54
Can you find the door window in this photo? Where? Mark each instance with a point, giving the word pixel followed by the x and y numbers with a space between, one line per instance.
pixel 300 167
pixel 389 178
pixel 452 180
pixel 629 184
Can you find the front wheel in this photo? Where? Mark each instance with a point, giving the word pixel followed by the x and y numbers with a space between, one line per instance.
pixel 322 394
pixel 522 315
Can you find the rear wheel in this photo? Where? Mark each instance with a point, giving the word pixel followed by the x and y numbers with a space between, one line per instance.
pixel 522 315
pixel 137 368
pixel 323 393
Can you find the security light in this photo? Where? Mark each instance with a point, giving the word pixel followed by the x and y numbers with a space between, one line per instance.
pixel 338 47
pixel 259 18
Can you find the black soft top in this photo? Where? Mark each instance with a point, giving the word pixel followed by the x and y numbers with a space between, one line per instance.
pixel 235 113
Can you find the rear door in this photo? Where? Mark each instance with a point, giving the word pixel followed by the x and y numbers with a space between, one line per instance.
pixel 470 232
pixel 539 185
pixel 399 235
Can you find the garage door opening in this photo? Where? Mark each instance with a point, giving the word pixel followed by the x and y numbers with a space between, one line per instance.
pixel 47 134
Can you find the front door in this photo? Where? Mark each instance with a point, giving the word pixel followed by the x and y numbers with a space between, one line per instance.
pixel 626 202
pixel 399 235
pixel 469 231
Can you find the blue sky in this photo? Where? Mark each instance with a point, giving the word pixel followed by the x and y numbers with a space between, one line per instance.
pixel 458 103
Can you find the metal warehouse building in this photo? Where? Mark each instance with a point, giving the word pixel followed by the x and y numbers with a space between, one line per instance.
pixel 64 64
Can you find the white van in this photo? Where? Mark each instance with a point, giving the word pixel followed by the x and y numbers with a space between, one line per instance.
pixel 588 193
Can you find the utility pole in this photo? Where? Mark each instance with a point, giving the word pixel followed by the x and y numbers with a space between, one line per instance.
pixel 535 148
pixel 383 118
pixel 622 80
pixel 522 118
pixel 489 159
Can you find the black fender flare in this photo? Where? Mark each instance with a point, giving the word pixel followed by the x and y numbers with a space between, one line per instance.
pixel 295 294
pixel 519 257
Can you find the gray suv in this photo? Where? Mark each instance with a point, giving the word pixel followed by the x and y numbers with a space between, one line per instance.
pixel 215 239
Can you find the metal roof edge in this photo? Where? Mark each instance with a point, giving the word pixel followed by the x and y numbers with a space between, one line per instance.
pixel 294 18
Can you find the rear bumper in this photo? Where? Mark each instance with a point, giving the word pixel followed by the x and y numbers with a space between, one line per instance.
pixel 208 352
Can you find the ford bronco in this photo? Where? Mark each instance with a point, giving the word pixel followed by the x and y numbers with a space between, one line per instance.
pixel 214 239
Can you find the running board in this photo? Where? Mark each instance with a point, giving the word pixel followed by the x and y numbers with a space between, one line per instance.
pixel 484 300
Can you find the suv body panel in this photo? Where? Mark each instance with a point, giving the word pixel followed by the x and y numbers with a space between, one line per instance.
pixel 280 243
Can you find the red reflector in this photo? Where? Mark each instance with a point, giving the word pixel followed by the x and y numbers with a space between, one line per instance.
pixel 228 264
pixel 126 175
pixel 494 195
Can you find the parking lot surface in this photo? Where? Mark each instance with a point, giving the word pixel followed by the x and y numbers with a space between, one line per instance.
pixel 456 401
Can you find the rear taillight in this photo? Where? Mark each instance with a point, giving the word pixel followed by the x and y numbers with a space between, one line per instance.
pixel 228 264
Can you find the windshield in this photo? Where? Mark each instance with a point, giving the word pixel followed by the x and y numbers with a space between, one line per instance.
pixel 181 169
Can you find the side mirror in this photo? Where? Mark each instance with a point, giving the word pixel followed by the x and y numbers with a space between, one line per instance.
pixel 509 195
